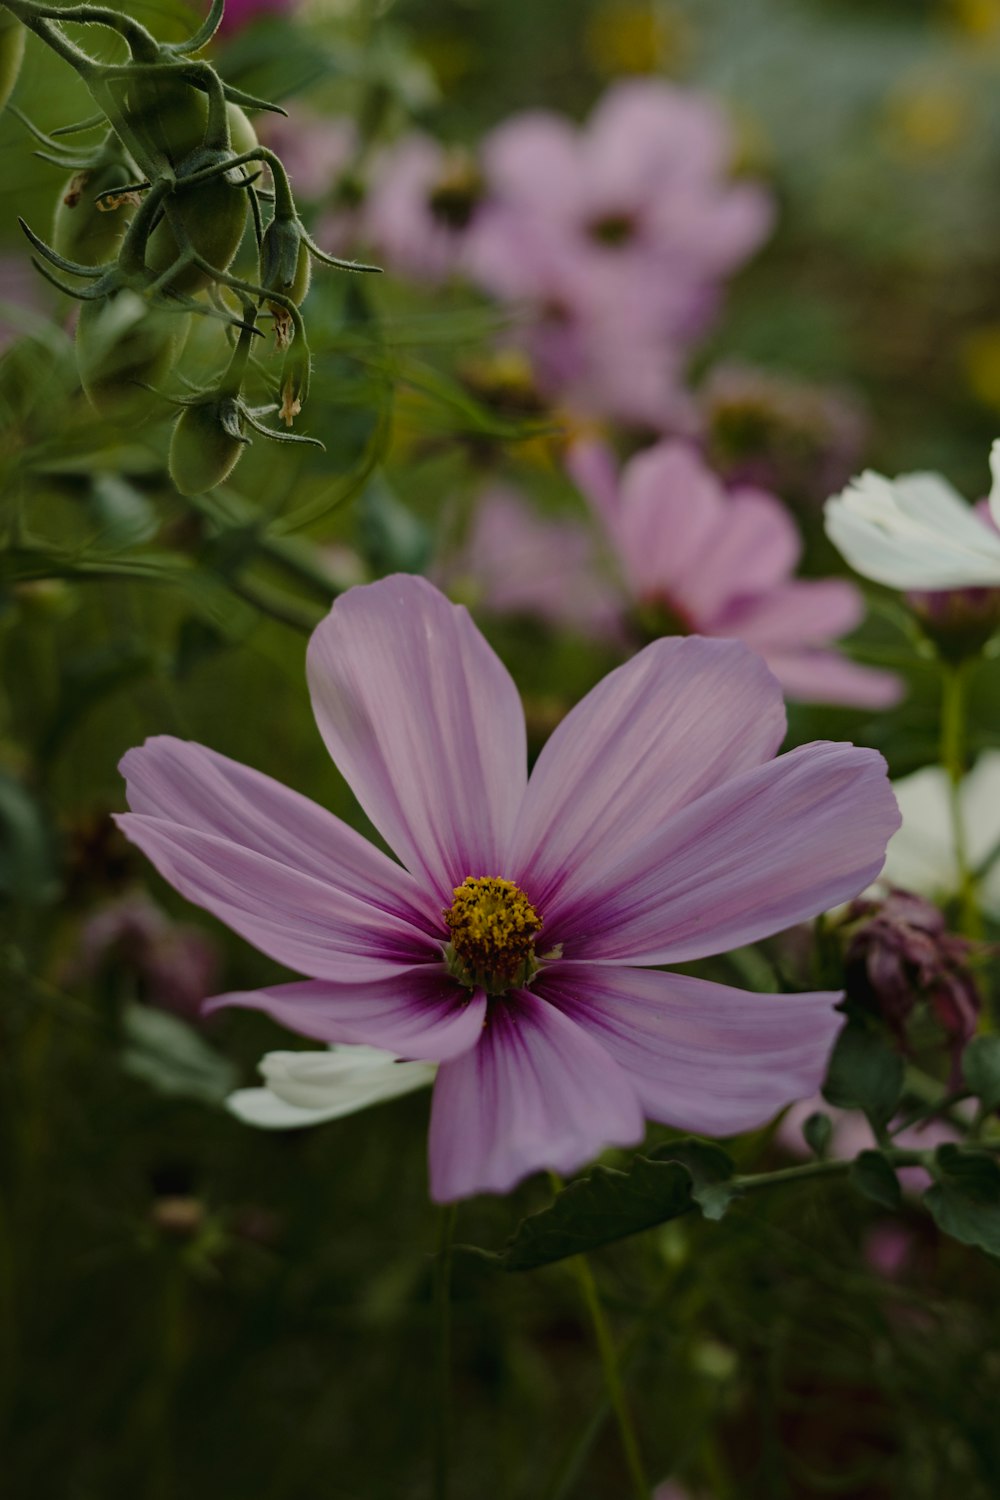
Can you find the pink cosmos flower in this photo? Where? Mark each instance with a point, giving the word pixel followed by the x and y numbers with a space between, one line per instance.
pixel 616 236
pixel 422 198
pixel 515 561
pixel 512 942
pixel 705 560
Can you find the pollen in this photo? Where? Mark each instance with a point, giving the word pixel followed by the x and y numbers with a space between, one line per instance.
pixel 493 928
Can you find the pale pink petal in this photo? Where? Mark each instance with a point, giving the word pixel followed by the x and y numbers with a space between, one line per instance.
pixel 419 1013
pixel 671 512
pixel 426 725
pixel 290 915
pixel 644 132
pixel 824 677
pixel 591 466
pixel 681 717
pixel 769 848
pixel 536 1093
pixel 534 160
pixel 194 787
pixel 754 551
pixel 803 611
pixel 702 1056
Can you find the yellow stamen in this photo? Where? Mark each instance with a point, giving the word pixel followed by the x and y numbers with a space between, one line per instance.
pixel 493 928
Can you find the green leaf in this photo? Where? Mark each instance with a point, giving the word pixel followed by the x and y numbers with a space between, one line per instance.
pixel 172 1058
pixel 27 864
pixel 609 1205
pixel 710 1169
pixel 864 1074
pixel 965 1199
pixel 981 1070
pixel 391 537
pixel 817 1131
pixel 872 1176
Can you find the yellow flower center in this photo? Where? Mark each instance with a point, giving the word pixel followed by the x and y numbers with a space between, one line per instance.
pixel 493 928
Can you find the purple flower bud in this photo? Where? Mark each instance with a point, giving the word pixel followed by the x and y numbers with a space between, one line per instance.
pixel 900 953
pixel 176 964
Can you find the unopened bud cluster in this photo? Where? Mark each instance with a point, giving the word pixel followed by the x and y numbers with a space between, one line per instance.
pixel 148 228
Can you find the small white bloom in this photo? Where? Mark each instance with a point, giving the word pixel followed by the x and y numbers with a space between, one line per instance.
pixel 307 1088
pixel 921 855
pixel 916 532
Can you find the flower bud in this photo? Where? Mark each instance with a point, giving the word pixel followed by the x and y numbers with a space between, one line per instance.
pixel 899 953
pixel 123 345
pixel 206 446
pixel 12 35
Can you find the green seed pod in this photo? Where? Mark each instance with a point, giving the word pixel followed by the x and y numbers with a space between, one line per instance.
pixel 84 232
pixel 168 115
pixel 213 216
pixel 242 135
pixel 12 35
pixel 123 345
pixel 207 445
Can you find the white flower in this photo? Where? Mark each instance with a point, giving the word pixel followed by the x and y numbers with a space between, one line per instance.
pixel 921 855
pixel 916 532
pixel 306 1088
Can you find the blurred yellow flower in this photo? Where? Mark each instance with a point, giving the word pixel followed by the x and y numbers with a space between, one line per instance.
pixel 980 356
pixel 980 18
pixel 627 36
pixel 926 117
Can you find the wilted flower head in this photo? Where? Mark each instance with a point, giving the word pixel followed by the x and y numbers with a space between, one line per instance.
pixel 778 432
pixel 916 532
pixel 898 953
pixel 513 941
pixel 700 559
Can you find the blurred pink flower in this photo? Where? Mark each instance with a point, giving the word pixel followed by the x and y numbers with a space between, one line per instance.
pixel 702 560
pixel 421 199
pixel 656 828
pixel 852 1134
pixel 616 236
pixel 240 13
pixel 315 150
pixel 177 964
pixel 515 561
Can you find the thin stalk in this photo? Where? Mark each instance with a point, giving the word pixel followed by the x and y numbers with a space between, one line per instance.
pixel 442 1321
pixel 953 755
pixel 612 1375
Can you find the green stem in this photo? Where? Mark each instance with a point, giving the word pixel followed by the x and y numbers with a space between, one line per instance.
pixel 442 1319
pixel 612 1376
pixel 953 754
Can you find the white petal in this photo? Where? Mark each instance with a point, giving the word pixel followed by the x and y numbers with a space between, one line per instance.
pixel 995 487
pixel 921 855
pixel 914 532
pixel 306 1088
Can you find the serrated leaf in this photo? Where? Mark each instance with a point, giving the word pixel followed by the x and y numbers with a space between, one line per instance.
pixel 172 1058
pixel 864 1074
pixel 605 1206
pixel 981 1070
pixel 872 1176
pixel 965 1199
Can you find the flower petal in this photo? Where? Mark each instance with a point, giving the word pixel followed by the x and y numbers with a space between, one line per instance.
pixel 701 1056
pixel 194 787
pixel 426 725
pixel 677 720
pixel 537 1092
pixel 767 849
pixel 420 1013
pixel 913 532
pixel 290 915
pixel 824 677
pixel 308 1088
